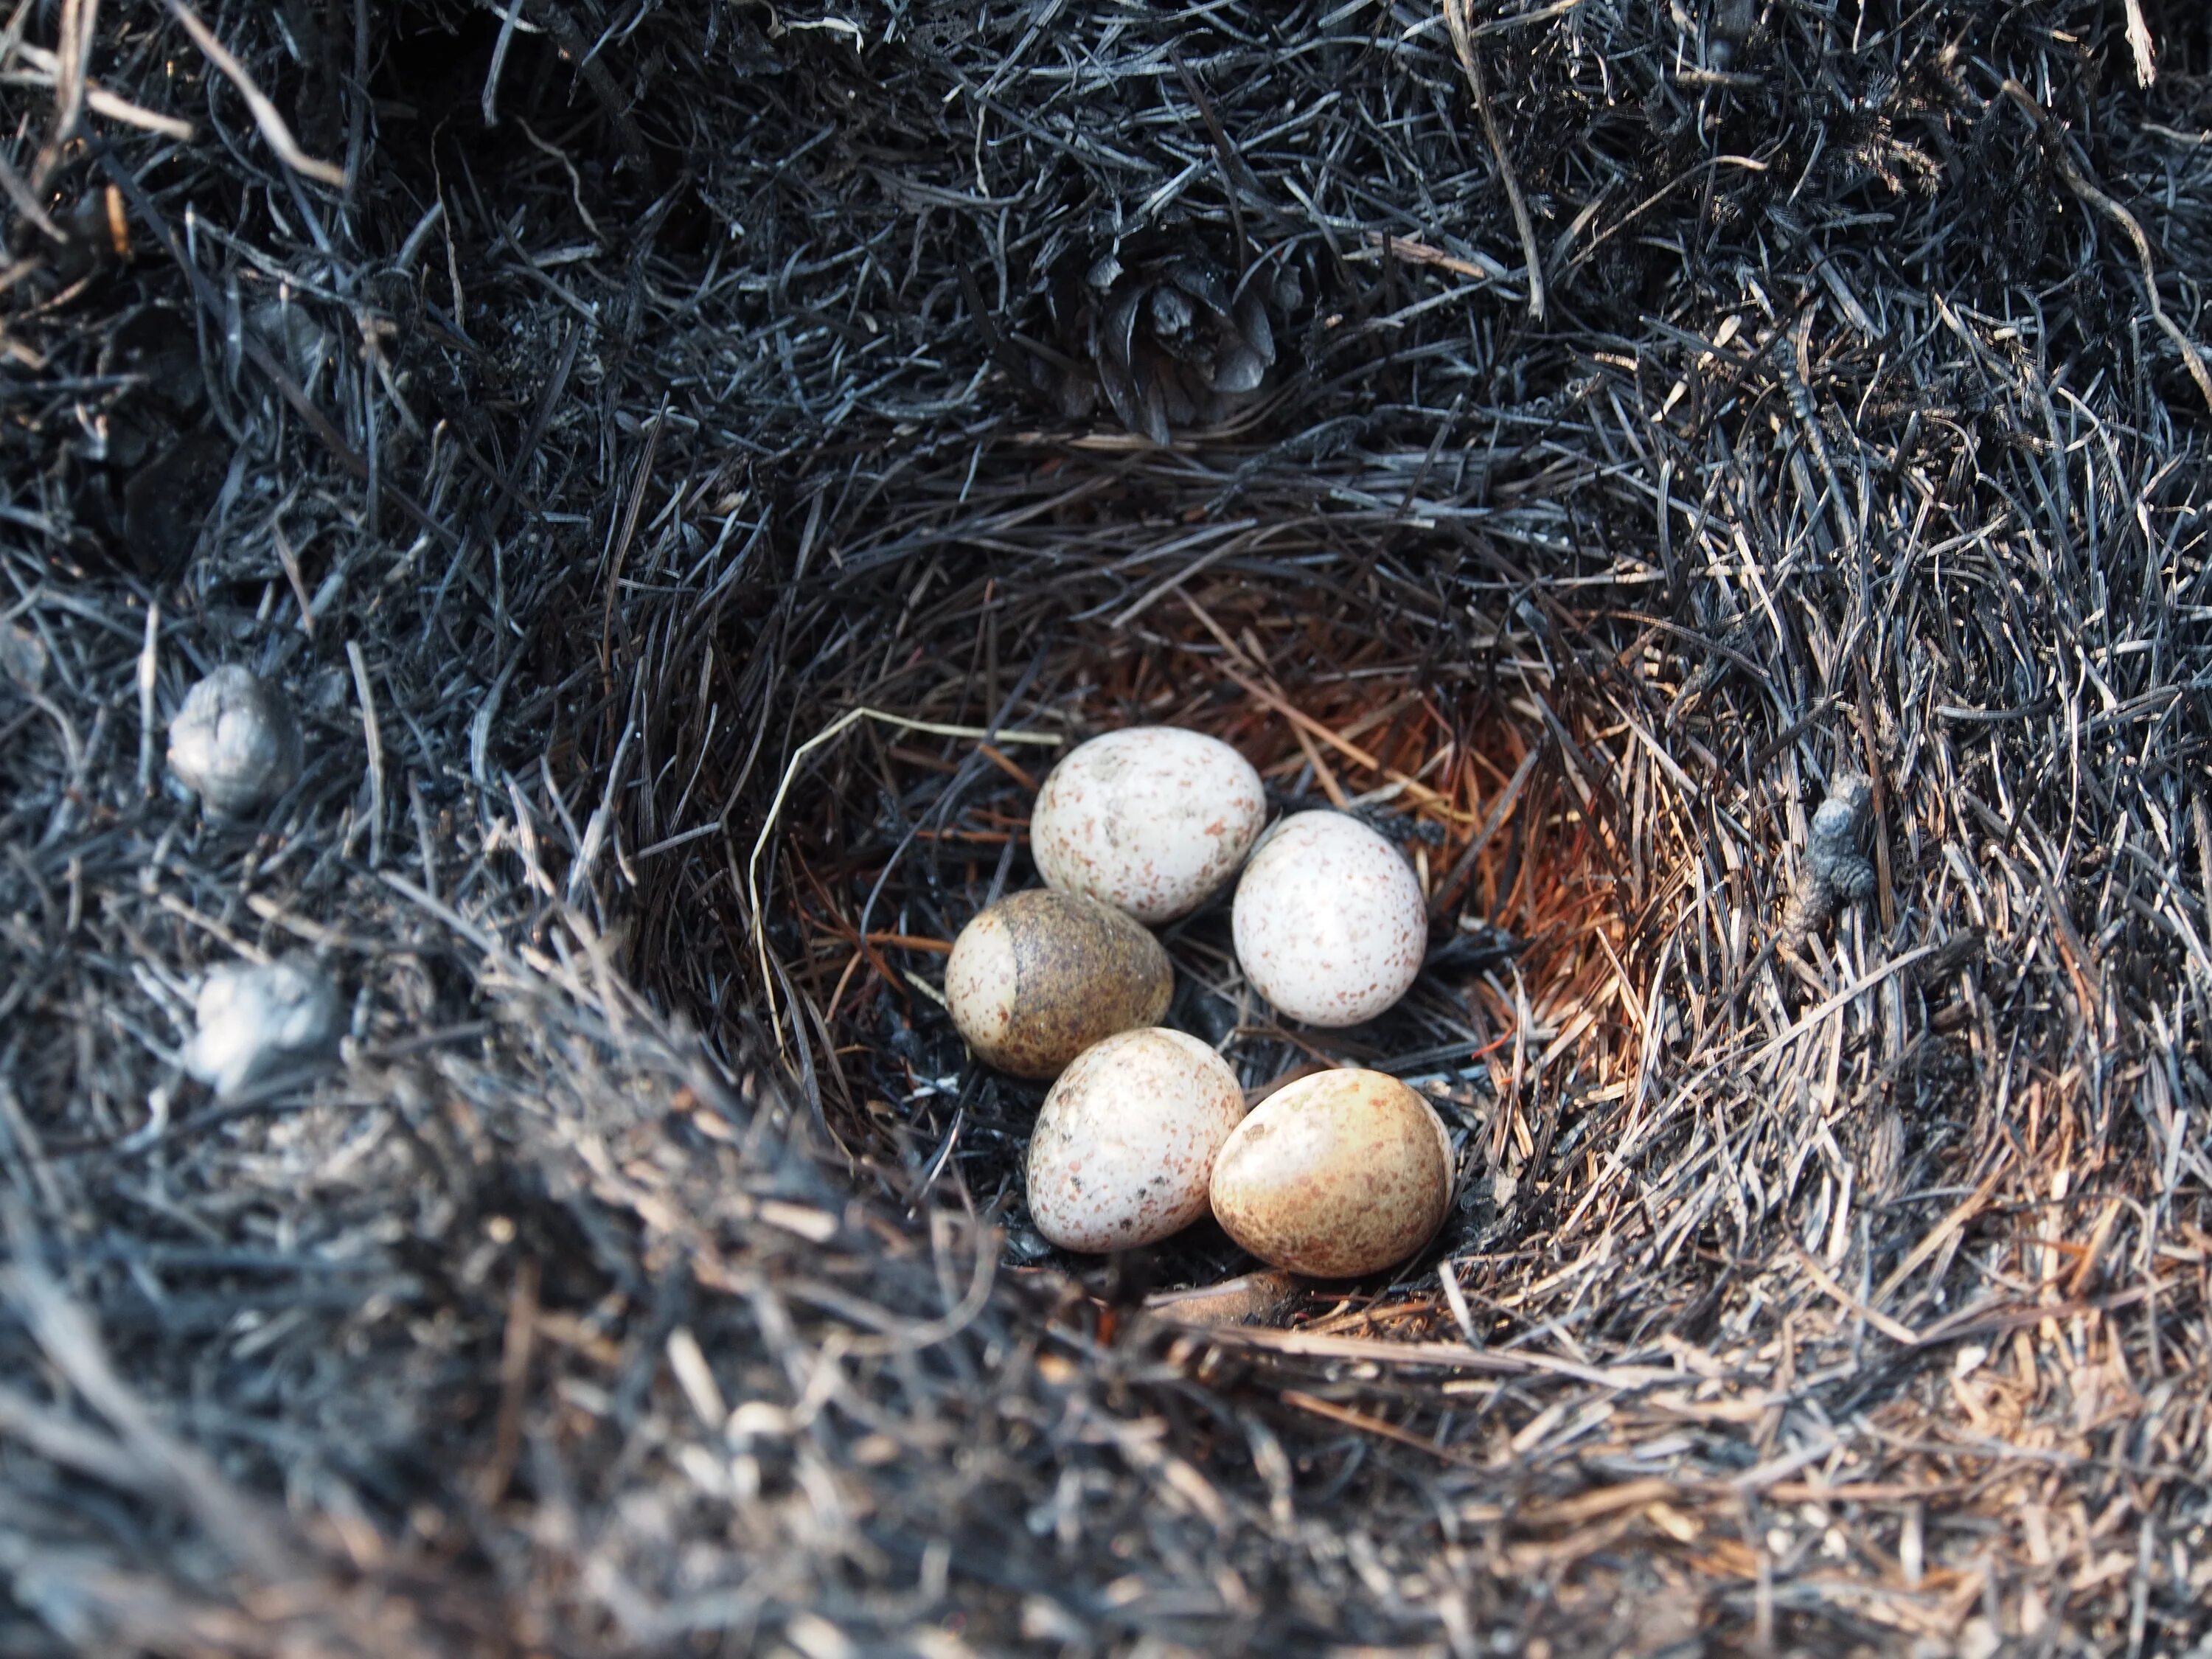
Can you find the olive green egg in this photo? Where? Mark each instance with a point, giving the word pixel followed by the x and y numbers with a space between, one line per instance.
pixel 1040 976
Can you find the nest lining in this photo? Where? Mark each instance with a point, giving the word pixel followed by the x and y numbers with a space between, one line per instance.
pixel 1445 760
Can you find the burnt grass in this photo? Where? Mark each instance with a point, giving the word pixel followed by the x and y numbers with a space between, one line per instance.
pixel 1571 436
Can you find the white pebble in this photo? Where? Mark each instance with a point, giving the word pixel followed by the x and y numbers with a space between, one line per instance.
pixel 235 743
pixel 254 1019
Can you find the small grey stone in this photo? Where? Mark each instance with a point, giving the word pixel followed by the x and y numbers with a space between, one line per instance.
pixel 255 1018
pixel 1835 870
pixel 235 742
pixel 1840 819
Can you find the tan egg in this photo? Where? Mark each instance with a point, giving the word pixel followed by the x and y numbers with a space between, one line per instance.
pixel 1125 1144
pixel 1152 820
pixel 1039 977
pixel 1336 1175
pixel 1329 921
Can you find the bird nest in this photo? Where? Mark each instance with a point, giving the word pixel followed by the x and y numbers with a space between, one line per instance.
pixel 1723 488
pixel 1449 750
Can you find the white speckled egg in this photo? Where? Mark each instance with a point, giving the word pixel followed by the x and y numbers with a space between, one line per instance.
pixel 1152 820
pixel 1329 923
pixel 1336 1175
pixel 1124 1147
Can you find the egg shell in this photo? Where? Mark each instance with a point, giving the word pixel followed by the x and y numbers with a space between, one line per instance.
pixel 1152 820
pixel 1039 977
pixel 1329 920
pixel 1335 1175
pixel 1124 1147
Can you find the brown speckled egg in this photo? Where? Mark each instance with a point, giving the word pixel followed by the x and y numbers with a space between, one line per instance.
pixel 1125 1144
pixel 1329 921
pixel 1152 820
pixel 1335 1175
pixel 1039 977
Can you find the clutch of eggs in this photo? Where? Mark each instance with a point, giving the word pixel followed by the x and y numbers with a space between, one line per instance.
pixel 1152 820
pixel 1145 1128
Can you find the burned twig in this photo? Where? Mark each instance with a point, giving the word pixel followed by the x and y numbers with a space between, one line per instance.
pixel 1455 15
pixel 2070 169
pixel 1835 872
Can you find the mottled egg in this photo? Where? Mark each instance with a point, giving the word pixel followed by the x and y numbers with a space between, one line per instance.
pixel 1152 820
pixel 1329 921
pixel 1039 977
pixel 1335 1175
pixel 1125 1145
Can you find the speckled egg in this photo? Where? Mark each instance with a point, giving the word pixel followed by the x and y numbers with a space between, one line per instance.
pixel 1329 921
pixel 1336 1175
pixel 1124 1148
pixel 1152 820
pixel 1039 977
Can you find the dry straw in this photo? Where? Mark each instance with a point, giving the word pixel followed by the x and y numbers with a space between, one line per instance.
pixel 828 734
